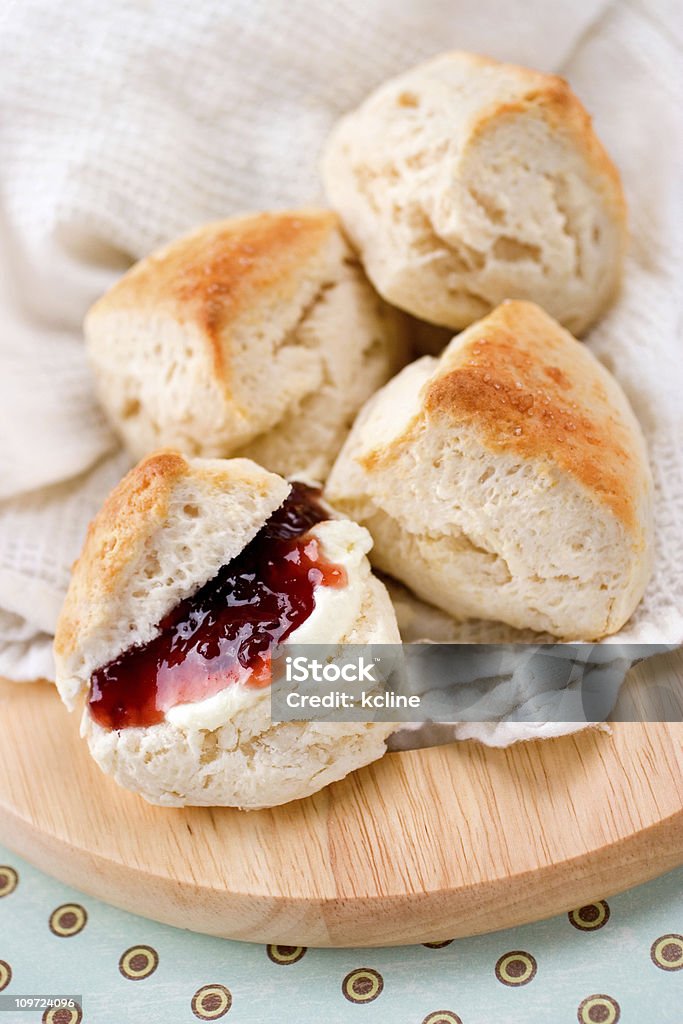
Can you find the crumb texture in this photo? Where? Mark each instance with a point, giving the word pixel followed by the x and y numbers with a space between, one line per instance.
pixel 258 336
pixel 507 480
pixel 464 182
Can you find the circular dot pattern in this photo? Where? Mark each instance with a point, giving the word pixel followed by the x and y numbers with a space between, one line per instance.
pixel 9 880
pixel 516 968
pixel 63 1015
pixel 5 974
pixel 214 1002
pixel 68 920
pixel 591 917
pixel 666 952
pixel 598 1009
pixel 285 954
pixel 442 1017
pixel 211 1002
pixel 138 962
pixel 362 985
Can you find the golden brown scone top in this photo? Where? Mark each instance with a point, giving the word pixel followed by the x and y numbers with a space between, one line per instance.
pixel 119 540
pixel 528 388
pixel 133 510
pixel 211 276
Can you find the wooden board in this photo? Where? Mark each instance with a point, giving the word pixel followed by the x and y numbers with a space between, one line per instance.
pixel 422 846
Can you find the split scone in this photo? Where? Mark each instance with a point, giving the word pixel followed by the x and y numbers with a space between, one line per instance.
pixel 506 480
pixel 464 182
pixel 190 574
pixel 258 336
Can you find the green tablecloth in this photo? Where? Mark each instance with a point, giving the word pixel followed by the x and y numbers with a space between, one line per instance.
pixel 619 960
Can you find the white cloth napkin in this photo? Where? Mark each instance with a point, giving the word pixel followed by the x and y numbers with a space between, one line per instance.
pixel 125 124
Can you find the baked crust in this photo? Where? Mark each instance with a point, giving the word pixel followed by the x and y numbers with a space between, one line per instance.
pixel 465 181
pixel 529 388
pixel 214 275
pixel 257 336
pixel 506 480
pixel 552 97
pixel 135 552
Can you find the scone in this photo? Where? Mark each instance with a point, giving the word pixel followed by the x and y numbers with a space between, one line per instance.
pixel 190 574
pixel 258 336
pixel 464 182
pixel 506 480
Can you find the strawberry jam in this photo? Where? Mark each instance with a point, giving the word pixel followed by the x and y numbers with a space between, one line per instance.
pixel 224 633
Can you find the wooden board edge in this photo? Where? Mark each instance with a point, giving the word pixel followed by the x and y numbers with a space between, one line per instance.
pixel 348 922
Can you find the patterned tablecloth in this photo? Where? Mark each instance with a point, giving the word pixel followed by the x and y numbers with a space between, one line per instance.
pixel 616 960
